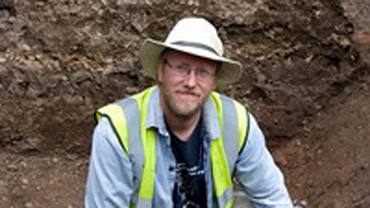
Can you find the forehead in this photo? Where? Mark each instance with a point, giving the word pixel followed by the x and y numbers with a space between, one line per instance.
pixel 188 58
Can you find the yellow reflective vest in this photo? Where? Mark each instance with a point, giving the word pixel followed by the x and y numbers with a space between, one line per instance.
pixel 233 123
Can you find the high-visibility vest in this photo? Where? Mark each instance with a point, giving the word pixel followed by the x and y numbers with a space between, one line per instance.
pixel 128 118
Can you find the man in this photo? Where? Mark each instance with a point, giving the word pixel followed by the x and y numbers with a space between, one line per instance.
pixel 179 144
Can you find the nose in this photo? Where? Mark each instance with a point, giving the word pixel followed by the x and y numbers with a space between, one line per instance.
pixel 191 79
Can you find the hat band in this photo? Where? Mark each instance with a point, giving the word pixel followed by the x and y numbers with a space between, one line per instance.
pixel 196 45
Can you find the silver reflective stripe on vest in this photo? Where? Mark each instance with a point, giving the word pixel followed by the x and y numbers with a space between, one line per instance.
pixel 136 156
pixel 230 131
pixel 225 198
pixel 143 203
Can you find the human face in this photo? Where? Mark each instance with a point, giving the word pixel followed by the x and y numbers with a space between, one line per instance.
pixel 186 82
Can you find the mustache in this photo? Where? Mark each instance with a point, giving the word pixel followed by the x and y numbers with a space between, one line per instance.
pixel 191 92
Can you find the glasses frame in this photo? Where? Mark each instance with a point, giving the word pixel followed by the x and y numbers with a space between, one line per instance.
pixel 184 70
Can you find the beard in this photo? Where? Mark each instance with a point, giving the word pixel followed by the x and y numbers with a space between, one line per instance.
pixel 184 103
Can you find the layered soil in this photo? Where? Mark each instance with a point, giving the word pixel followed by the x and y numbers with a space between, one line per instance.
pixel 306 79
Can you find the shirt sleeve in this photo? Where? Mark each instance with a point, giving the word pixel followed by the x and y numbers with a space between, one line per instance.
pixel 257 173
pixel 110 179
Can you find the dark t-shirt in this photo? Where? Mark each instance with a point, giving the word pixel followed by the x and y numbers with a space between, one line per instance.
pixel 190 186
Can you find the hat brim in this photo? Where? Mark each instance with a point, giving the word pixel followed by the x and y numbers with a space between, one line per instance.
pixel 228 72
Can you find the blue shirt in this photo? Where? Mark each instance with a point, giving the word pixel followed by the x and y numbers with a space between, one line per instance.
pixel 111 182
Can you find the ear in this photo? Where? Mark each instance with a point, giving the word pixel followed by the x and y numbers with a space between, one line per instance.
pixel 159 72
pixel 215 81
pixel 214 85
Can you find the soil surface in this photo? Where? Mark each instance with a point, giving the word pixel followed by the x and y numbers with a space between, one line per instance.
pixel 306 79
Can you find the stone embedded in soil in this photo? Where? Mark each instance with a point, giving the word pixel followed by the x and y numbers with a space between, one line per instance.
pixel 55 160
pixel 24 180
pixel 12 168
pixel 29 205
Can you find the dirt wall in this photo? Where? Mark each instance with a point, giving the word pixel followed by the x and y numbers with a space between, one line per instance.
pixel 61 60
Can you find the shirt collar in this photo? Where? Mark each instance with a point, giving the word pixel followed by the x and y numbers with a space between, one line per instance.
pixel 155 117
pixel 210 119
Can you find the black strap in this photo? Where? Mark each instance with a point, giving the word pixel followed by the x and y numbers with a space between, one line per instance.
pixel 196 45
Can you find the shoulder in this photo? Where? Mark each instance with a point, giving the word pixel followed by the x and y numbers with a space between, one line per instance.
pixel 227 101
pixel 131 101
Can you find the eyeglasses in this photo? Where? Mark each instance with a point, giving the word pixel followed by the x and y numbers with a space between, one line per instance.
pixel 183 70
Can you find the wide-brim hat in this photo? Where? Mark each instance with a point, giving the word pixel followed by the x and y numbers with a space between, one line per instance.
pixel 194 36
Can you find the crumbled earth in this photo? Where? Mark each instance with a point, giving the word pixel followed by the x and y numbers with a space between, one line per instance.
pixel 306 79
